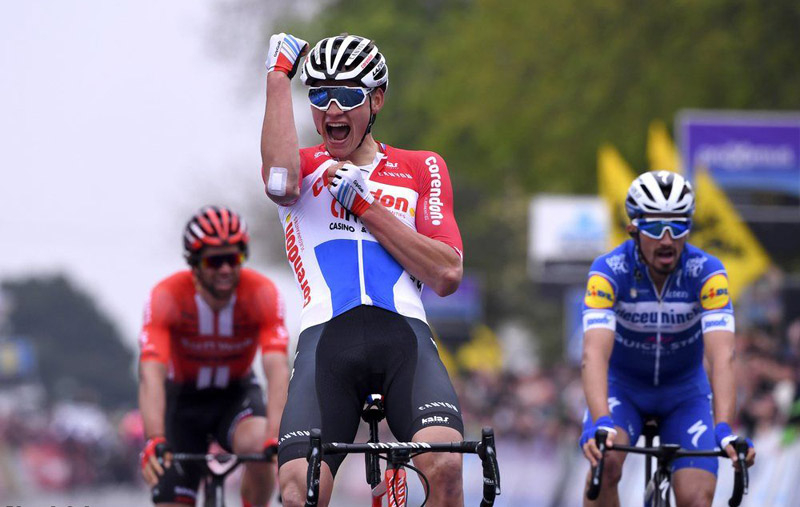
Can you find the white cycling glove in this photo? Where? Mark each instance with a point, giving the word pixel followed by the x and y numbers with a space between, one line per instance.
pixel 284 55
pixel 349 188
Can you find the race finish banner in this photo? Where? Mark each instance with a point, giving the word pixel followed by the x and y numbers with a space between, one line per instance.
pixel 750 151
pixel 718 228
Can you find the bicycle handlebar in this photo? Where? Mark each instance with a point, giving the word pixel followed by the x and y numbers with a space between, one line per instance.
pixel 597 472
pixel 221 458
pixel 485 449
pixel 314 464
pixel 741 478
pixel 672 451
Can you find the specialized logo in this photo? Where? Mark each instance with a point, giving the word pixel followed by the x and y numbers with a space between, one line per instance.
pixel 617 264
pixel 696 430
pixel 435 198
pixel 695 265
pixel 599 293
pixel 663 489
pixel 613 402
pixel 434 419
pixel 296 260
pixel 715 293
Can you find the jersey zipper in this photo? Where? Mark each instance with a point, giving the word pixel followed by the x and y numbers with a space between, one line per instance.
pixel 660 296
pixel 365 299
pixel 658 345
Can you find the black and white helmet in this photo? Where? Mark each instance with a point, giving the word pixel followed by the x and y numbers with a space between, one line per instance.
pixel 660 192
pixel 345 58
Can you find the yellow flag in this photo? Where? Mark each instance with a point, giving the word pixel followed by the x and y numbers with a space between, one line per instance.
pixel 718 229
pixel 614 178
pixel 482 352
pixel 444 354
pixel 660 150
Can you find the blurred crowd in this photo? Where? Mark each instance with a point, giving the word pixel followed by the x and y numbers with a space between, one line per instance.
pixel 74 444
pixel 71 445
pixel 546 407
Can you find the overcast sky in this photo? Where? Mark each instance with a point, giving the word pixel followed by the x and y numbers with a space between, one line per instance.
pixel 117 120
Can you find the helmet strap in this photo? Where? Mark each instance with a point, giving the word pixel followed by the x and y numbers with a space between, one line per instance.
pixel 369 125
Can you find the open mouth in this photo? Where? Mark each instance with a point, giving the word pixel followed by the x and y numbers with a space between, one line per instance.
pixel 665 256
pixel 337 131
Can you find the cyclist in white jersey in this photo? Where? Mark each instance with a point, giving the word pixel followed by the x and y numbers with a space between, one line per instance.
pixel 366 225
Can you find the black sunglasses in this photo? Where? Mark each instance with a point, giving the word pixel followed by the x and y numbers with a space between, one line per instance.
pixel 216 261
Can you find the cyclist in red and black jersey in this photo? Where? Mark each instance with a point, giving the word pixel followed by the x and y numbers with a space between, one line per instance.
pixel 202 330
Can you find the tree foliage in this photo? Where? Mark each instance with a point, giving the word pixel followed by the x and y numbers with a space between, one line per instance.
pixel 77 346
pixel 517 96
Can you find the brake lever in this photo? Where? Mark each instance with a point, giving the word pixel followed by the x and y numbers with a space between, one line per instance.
pixel 597 472
pixel 491 468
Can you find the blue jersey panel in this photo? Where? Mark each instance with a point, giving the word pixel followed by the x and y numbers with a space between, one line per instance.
pixel 658 334
pixel 338 261
pixel 381 273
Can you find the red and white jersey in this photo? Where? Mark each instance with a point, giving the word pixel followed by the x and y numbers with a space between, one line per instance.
pixel 207 348
pixel 338 264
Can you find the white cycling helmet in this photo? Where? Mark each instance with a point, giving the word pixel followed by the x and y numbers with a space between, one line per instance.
pixel 345 58
pixel 660 192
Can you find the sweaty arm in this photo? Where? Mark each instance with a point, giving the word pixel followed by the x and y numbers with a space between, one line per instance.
pixel 433 252
pixel 430 261
pixel 280 156
pixel 719 347
pixel 152 397
pixel 276 371
pixel 274 342
pixel 154 356
pixel 597 346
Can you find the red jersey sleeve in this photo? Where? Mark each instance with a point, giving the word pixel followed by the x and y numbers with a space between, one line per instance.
pixel 154 339
pixel 272 336
pixel 435 218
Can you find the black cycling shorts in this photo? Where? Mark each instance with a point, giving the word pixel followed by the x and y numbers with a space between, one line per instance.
pixel 366 350
pixel 193 419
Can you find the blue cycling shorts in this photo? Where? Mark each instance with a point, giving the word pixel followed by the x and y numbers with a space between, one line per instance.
pixel 684 415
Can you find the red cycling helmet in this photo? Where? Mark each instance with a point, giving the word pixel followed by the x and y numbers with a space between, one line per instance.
pixel 213 226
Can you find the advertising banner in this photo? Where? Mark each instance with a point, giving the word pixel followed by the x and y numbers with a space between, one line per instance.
pixel 743 150
pixel 567 228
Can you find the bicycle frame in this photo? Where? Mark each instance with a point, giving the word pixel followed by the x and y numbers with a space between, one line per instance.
pixel 214 481
pixel 665 454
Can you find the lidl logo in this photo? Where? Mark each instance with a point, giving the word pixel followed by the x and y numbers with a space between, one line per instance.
pixel 599 293
pixel 715 293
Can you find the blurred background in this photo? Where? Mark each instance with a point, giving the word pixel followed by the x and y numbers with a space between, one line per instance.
pixel 119 119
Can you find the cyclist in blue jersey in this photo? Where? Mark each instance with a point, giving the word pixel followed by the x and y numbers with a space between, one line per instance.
pixel 365 225
pixel 654 308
